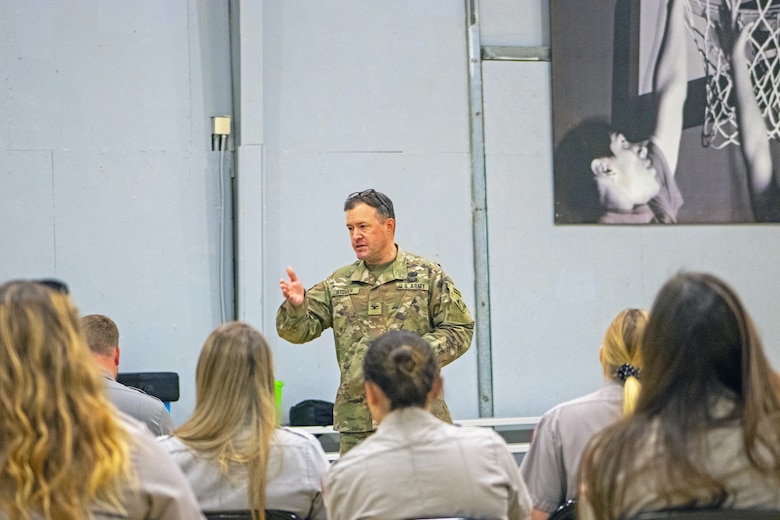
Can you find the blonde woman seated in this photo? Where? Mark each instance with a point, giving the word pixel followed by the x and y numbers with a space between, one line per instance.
pixel 550 466
pixel 66 452
pixel 706 428
pixel 416 465
pixel 231 449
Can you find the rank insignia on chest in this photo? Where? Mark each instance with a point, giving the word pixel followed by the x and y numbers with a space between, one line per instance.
pixel 374 309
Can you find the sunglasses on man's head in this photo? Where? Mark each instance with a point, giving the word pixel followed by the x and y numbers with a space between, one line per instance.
pixel 373 194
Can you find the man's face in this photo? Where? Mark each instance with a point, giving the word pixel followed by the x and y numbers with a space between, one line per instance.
pixel 370 234
pixel 627 177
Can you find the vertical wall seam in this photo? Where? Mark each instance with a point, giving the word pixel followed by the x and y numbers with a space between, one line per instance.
pixel 53 210
pixel 189 73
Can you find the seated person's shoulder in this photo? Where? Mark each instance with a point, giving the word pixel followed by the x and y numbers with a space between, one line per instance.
pixel 135 426
pixel 286 435
pixel 132 392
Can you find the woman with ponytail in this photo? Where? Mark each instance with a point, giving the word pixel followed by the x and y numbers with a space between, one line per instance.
pixel 415 465
pixel 550 466
pixel 232 450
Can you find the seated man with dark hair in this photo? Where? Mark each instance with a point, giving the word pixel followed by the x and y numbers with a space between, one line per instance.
pixel 102 336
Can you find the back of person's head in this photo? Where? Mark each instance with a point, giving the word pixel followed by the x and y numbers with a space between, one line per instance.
pixel 235 412
pixel 620 353
pixel 703 368
pixel 101 333
pixel 700 344
pixel 62 448
pixel 403 365
pixel 373 198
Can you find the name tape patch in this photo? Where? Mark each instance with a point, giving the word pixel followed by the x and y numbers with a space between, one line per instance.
pixel 345 292
pixel 412 286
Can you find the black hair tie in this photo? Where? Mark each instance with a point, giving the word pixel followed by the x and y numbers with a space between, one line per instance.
pixel 625 371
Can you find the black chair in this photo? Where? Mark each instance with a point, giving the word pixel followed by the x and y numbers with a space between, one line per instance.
pixel 246 514
pixel 566 511
pixel 708 514
pixel 162 385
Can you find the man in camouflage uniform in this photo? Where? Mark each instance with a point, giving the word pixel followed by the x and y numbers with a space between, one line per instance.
pixel 385 289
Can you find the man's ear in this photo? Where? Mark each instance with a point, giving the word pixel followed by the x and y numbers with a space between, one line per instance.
pixel 600 168
pixel 116 356
pixel 390 223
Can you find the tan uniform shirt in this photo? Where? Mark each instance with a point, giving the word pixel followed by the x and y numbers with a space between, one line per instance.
pixel 295 466
pixel 550 466
pixel 135 403
pixel 160 490
pixel 416 466
pixel 719 452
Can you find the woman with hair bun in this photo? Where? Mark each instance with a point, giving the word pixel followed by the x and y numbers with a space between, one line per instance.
pixel 550 466
pixel 416 465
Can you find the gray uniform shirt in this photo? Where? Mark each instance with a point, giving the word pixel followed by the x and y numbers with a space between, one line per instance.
pixel 416 466
pixel 158 491
pixel 295 467
pixel 144 407
pixel 550 466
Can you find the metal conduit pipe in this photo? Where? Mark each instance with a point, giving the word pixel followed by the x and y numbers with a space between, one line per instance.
pixel 479 216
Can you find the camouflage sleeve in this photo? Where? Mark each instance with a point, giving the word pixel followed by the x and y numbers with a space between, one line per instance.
pixel 306 321
pixel 453 326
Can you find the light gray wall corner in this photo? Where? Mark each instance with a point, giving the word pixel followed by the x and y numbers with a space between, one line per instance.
pixel 247 41
pixel 107 176
pixel 250 271
pixel 247 37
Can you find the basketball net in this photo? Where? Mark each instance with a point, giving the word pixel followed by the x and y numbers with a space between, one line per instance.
pixel 720 119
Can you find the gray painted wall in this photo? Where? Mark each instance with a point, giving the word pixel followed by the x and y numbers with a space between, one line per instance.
pixel 107 180
pixel 357 95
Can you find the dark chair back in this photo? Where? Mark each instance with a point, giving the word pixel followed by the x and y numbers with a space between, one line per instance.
pixel 566 511
pixel 708 514
pixel 246 514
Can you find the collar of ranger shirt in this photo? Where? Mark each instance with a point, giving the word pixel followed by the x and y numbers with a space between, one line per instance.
pixel 363 274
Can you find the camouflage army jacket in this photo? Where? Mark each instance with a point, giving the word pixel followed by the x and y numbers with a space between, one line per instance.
pixel 412 294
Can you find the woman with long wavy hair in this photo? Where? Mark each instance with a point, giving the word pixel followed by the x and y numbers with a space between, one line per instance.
pixel 706 428
pixel 231 449
pixel 550 466
pixel 66 453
